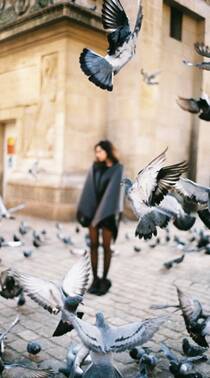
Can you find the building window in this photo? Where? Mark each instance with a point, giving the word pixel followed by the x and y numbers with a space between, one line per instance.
pixel 176 24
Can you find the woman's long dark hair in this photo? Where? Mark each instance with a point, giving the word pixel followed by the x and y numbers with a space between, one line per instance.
pixel 107 146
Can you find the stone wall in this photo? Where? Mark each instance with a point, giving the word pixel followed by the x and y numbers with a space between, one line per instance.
pixel 57 115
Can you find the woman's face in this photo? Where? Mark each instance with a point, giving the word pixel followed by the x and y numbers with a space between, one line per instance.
pixel 101 155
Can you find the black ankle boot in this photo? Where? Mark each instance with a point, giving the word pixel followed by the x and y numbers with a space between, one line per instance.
pixel 94 287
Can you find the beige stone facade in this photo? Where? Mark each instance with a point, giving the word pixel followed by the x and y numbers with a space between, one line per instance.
pixel 55 115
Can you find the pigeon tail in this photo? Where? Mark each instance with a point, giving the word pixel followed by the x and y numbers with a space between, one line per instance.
pixel 99 71
pixel 205 217
pixel 184 223
pixel 64 327
pixel 147 226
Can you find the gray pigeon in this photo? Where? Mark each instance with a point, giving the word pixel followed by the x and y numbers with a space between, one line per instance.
pixel 149 78
pixel 148 190
pixel 181 220
pixel 195 198
pixel 202 50
pixel 7 213
pixel 199 106
pixel 196 321
pixel 102 339
pixel 122 45
pixel 4 334
pixel 75 357
pixel 54 298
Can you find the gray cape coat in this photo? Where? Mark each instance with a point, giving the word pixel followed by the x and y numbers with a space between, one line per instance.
pixel 111 202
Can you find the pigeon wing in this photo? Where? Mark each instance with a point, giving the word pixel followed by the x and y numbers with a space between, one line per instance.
pixel 77 279
pixel 113 15
pixel 192 191
pixel 191 308
pixel 46 293
pixel 166 179
pixel 191 311
pixel 12 325
pixel 146 180
pixel 139 19
pixel 89 334
pixel 189 104
pixel 127 337
pixel 24 371
pixel 202 49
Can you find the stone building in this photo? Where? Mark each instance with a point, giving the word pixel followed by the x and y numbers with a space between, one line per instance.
pixel 51 113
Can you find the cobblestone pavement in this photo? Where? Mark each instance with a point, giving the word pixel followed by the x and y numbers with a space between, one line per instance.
pixel 138 279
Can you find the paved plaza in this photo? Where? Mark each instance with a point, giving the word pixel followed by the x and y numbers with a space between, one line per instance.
pixel 138 280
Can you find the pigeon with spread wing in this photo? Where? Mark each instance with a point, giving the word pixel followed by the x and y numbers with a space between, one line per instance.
pixel 194 198
pixel 199 106
pixel 102 339
pixel 53 297
pixel 148 191
pixel 202 50
pixel 122 45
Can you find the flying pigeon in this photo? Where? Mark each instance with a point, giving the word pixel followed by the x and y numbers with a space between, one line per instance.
pixel 149 78
pixel 102 339
pixel 7 213
pixel 202 50
pixel 195 198
pixel 54 298
pixel 35 170
pixel 4 334
pixel 122 45
pixel 148 190
pixel 196 321
pixel 181 220
pixel 199 106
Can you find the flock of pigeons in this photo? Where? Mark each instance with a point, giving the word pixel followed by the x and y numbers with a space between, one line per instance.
pixel 158 195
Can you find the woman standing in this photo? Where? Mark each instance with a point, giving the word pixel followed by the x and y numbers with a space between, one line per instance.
pixel 100 207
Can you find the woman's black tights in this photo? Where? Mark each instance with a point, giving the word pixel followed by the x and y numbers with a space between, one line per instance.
pixel 94 239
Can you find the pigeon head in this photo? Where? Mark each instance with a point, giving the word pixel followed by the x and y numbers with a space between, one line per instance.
pixel 100 321
pixel 126 183
pixel 71 303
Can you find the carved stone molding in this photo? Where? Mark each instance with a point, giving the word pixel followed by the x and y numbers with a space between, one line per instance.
pixel 21 6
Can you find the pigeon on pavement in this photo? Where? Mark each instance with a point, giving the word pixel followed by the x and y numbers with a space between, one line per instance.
pixel 122 45
pixel 170 264
pixel 182 367
pixel 192 350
